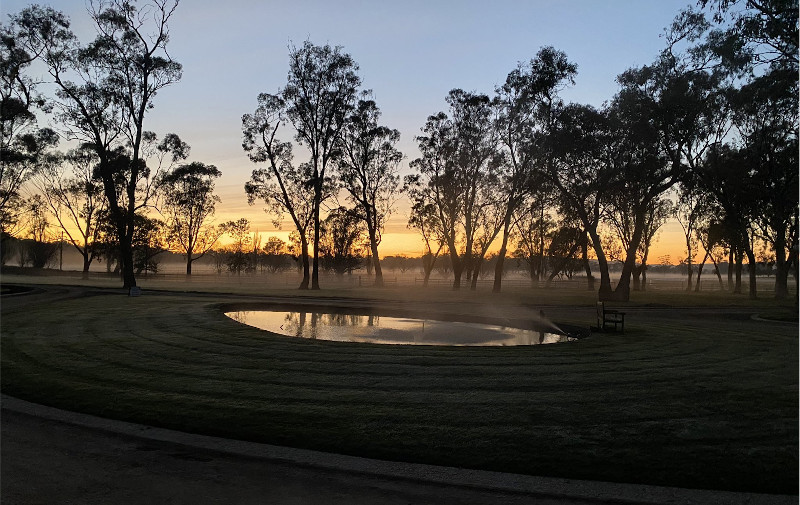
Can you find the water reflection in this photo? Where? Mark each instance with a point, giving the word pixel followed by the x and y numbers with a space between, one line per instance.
pixel 389 330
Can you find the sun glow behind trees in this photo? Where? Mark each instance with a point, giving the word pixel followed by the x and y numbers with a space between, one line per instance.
pixel 638 90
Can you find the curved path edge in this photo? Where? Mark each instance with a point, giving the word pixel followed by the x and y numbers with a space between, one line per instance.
pixel 558 488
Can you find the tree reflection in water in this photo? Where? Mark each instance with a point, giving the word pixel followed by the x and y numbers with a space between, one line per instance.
pixel 391 330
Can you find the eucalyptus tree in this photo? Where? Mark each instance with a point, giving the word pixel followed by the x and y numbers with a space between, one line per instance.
pixel 23 144
pixel 655 135
pixel 488 223
pixel 458 154
pixel 622 220
pixel 728 170
pixel 105 91
pixel 341 242
pixel 283 186
pixel 425 219
pixel 752 45
pixel 766 120
pixel 367 170
pixel 188 202
pixel 533 228
pixel 526 104
pixel 76 199
pixel 584 174
pixel 320 93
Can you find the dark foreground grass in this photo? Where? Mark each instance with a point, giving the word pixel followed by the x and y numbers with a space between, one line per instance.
pixel 704 398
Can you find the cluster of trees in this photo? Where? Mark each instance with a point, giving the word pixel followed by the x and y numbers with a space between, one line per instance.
pixel 323 110
pixel 711 122
pixel 103 193
pixel 707 134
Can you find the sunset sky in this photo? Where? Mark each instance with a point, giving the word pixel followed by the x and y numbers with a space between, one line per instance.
pixel 410 53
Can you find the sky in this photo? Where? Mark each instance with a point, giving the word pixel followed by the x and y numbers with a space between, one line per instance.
pixel 410 54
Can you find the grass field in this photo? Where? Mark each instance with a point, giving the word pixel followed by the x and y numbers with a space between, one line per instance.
pixel 696 393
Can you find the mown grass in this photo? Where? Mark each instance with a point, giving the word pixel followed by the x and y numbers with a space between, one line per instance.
pixel 693 397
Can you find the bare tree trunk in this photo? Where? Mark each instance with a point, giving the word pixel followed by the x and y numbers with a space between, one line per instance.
pixel 586 266
pixel 781 270
pixel 375 261
pixel 86 263
pixel 737 287
pixel 304 256
pixel 751 258
pixel 699 272
pixel 315 271
pixel 501 256
pixel 731 269
pixel 474 285
pixel 719 275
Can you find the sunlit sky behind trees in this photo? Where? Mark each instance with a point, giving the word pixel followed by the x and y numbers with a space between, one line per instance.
pixel 410 53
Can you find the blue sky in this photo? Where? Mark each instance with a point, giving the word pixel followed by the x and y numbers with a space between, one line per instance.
pixel 410 53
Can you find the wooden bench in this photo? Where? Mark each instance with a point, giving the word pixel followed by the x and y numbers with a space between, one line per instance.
pixel 607 317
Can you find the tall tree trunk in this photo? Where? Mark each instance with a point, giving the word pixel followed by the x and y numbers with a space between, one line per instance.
pixel 637 271
pixel 375 261
pixel 781 270
pixel 737 286
pixel 315 271
pixel 86 263
pixel 189 262
pixel 304 257
pixel 458 269
pixel 128 274
pixel 751 259
pixel 604 293
pixel 586 266
pixel 719 274
pixel 700 272
pixel 501 255
pixel 622 292
pixel 474 284
pixel 689 257
pixel 731 269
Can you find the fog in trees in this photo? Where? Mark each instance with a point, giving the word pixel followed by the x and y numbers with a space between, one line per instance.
pixel 105 90
pixel 188 203
pixel 526 104
pixel 283 186
pixel 320 94
pixel 458 154
pixel 367 170
pixel 77 201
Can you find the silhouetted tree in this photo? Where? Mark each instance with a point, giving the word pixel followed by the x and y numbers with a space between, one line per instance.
pixel 275 255
pixel 534 227
pixel 525 108
pixel 23 144
pixel 39 250
pixel 584 174
pixel 320 95
pixel 425 219
pixel 457 155
pixel 621 220
pixel 368 171
pixel 283 186
pixel 340 241
pixel 77 201
pixel 149 241
pixel 239 231
pixel 189 201
pixel 105 91
pixel 755 42
pixel 565 243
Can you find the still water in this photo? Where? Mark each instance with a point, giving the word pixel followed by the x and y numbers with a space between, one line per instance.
pixel 390 330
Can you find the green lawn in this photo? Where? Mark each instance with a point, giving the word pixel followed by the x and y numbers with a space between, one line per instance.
pixel 703 397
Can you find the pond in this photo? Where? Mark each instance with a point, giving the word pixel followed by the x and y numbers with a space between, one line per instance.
pixel 390 330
